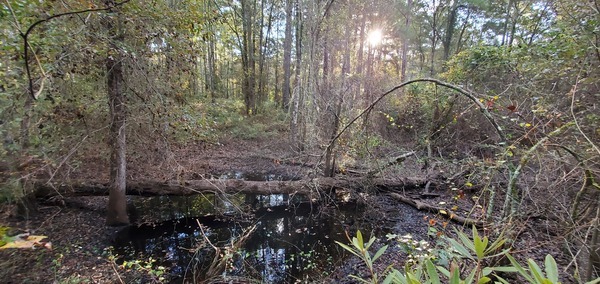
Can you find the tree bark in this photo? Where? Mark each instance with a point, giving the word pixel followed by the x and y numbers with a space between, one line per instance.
pixel 287 56
pixel 434 36
pixel 248 62
pixel 447 41
pixel 437 210
pixel 405 40
pixel 116 214
pixel 309 188
pixel 297 102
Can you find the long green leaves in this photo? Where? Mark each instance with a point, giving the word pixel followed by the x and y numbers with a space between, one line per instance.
pixel 361 250
pixel 474 250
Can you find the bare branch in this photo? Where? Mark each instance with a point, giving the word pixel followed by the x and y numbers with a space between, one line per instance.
pixel 30 29
pixel 462 91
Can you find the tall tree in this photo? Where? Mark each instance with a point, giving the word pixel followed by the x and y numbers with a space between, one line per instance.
pixel 450 26
pixel 117 201
pixel 297 121
pixel 248 61
pixel 287 55
pixel 405 39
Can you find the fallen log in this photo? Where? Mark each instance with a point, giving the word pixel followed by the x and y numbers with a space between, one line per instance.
pixel 437 210
pixel 309 188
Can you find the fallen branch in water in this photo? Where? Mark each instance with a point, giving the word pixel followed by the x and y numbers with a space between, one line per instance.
pixel 437 210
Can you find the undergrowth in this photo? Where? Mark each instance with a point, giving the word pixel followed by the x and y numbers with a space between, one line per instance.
pixel 471 253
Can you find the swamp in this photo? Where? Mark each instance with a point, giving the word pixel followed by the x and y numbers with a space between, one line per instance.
pixel 300 141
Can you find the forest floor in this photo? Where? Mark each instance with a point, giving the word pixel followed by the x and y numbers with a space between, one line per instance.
pixel 80 242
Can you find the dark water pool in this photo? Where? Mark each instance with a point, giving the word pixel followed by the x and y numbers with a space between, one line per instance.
pixel 286 239
pixel 292 239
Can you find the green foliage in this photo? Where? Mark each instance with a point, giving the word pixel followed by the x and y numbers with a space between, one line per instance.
pixel 418 251
pixel 535 274
pixel 361 146
pixel 480 63
pixel 73 279
pixel 3 234
pixel 361 249
pixel 11 190
pixel 227 117
pixel 469 252
pixel 150 268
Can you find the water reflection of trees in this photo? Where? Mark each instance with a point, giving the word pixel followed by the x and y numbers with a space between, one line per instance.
pixel 290 242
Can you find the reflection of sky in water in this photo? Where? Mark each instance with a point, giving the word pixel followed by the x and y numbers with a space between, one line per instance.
pixel 274 264
pixel 280 225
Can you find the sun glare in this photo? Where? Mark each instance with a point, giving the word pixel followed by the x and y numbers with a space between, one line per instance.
pixel 375 37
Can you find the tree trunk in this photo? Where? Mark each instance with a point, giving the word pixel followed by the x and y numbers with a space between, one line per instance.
pixel 437 210
pixel 361 51
pixel 434 38
pixel 298 28
pixel 296 121
pixel 506 23
pixel 212 70
pixel 263 45
pixel 117 202
pixel 248 67
pixel 116 214
pixel 25 122
pixel 405 40
pixel 447 42
pixel 462 31
pixel 193 187
pixel 287 55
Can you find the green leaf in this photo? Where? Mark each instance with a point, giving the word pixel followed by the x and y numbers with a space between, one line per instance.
pixel 466 241
pixel 502 280
pixel 471 277
pixel 505 269
pixel 551 269
pixel 394 276
pixel 371 241
pixel 348 248
pixel 594 281
pixel 411 278
pixel 460 248
pixel 444 271
pixel 520 269
pixel 379 252
pixel 455 276
pixel 358 245
pixel 484 280
pixel 359 237
pixel 432 272
pixel 536 271
pixel 480 244
pixel 504 252
pixel 499 242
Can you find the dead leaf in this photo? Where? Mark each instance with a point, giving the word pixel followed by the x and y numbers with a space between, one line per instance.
pixel 25 241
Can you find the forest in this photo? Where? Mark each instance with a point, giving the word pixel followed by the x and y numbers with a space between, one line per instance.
pixel 300 141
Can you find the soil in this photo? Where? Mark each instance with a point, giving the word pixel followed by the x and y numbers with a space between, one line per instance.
pixel 80 243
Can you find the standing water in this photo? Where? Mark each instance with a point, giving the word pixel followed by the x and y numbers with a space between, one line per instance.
pixel 273 238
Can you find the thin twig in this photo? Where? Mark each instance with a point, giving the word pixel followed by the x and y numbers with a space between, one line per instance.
pixel 464 92
pixel 573 91
pixel 25 36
